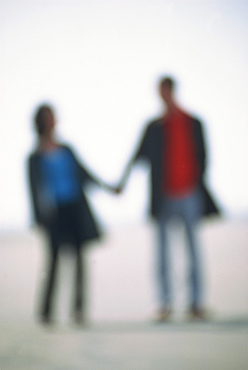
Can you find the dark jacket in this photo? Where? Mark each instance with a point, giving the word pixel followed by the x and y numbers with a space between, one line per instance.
pixel 42 211
pixel 153 150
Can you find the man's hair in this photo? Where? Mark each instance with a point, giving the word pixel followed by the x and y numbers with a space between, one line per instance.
pixel 167 81
pixel 39 118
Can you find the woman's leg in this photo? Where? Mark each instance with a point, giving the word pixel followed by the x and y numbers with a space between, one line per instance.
pixel 50 284
pixel 79 287
pixel 79 282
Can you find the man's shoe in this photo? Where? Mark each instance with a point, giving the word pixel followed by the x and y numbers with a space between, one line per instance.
pixel 162 315
pixel 197 313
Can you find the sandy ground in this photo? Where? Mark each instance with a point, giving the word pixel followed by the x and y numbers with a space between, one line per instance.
pixel 120 333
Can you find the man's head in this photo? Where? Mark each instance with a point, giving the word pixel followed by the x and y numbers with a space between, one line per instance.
pixel 44 120
pixel 166 90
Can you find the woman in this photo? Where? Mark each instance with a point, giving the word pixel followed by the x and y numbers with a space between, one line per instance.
pixel 56 182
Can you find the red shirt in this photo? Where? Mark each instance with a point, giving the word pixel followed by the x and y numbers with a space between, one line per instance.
pixel 180 166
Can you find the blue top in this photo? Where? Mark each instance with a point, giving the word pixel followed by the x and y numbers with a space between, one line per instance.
pixel 60 177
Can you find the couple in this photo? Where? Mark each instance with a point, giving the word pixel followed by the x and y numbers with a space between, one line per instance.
pixel 174 147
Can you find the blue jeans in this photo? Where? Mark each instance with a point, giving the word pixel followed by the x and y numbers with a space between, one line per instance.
pixel 189 210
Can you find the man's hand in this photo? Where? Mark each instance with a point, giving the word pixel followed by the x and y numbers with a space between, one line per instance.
pixel 118 190
pixel 114 189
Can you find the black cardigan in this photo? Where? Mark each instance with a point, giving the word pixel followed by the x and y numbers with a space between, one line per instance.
pixel 35 178
pixel 152 148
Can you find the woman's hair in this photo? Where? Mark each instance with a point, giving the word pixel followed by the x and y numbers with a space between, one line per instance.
pixel 40 118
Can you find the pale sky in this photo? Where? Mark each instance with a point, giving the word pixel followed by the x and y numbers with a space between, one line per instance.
pixel 98 63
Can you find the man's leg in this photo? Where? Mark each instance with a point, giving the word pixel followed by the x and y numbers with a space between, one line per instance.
pixel 162 266
pixel 192 211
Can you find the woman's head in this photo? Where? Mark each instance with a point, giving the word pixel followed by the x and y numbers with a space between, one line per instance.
pixel 44 120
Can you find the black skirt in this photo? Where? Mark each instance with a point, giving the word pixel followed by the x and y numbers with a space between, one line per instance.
pixel 66 226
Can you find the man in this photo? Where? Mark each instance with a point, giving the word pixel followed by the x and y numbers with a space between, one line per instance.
pixel 174 147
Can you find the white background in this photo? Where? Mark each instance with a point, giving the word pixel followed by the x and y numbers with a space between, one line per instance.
pixel 98 63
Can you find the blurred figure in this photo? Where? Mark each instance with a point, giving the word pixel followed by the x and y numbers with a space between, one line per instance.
pixel 174 147
pixel 56 181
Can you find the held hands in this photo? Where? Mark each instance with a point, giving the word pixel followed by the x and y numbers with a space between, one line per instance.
pixel 115 189
pixel 118 189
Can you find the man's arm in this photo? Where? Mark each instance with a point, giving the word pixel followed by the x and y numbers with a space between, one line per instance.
pixel 201 146
pixel 142 152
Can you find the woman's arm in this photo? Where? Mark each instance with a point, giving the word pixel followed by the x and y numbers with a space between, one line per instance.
pixel 87 176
